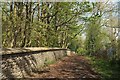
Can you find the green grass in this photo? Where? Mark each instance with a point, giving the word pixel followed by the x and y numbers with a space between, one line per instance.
pixel 109 70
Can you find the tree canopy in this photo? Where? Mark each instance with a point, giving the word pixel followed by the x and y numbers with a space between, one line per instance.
pixel 86 26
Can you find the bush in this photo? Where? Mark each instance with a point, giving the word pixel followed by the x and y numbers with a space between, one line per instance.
pixel 81 51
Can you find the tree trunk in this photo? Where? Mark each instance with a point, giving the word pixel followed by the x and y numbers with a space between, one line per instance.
pixel 26 26
pixel 14 35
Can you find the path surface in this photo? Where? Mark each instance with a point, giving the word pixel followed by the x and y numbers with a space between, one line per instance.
pixel 70 67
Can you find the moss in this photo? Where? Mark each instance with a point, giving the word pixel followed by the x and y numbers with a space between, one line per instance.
pixel 48 62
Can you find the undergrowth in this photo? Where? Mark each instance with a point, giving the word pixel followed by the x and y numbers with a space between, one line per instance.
pixel 108 69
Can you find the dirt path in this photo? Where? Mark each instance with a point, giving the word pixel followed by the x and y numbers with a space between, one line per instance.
pixel 70 67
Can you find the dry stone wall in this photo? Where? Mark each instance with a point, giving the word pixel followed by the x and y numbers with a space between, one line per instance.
pixel 19 63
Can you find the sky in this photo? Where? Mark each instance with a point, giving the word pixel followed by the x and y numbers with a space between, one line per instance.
pixel 101 0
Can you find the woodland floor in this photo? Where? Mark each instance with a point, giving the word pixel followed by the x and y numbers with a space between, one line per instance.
pixel 70 67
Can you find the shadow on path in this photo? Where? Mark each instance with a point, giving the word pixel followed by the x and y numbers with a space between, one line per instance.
pixel 70 67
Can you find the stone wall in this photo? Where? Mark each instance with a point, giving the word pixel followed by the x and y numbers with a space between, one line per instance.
pixel 19 63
